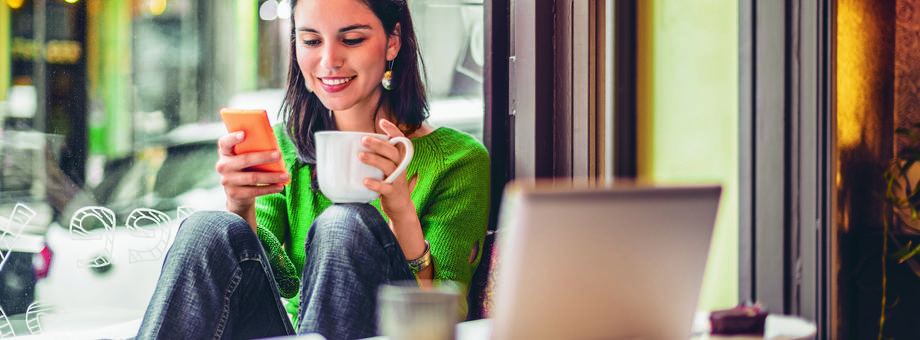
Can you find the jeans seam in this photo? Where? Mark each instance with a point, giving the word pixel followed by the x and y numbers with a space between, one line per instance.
pixel 225 312
pixel 266 269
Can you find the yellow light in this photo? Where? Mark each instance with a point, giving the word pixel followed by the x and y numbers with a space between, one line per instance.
pixel 852 66
pixel 14 4
pixel 71 1
pixel 157 7
pixel 861 74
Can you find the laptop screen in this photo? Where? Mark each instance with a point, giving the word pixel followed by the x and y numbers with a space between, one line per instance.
pixel 601 263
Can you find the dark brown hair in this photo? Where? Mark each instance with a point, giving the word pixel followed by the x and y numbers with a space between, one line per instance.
pixel 407 101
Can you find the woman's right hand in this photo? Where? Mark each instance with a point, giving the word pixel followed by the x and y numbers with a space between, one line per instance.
pixel 243 186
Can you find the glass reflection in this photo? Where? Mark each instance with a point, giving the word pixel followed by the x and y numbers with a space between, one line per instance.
pixel 108 129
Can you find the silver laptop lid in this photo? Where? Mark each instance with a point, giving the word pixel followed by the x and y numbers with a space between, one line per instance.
pixel 611 263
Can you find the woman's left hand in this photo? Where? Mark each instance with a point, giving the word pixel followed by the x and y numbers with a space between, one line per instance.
pixel 394 197
pixel 395 200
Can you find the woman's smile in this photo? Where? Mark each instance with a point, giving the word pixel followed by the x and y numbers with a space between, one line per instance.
pixel 335 84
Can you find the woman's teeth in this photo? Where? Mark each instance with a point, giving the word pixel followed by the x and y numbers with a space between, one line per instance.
pixel 337 81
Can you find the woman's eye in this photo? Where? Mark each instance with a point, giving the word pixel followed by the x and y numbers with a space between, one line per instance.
pixel 312 42
pixel 353 41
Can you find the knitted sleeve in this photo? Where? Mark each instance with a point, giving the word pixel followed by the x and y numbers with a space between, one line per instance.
pixel 457 219
pixel 273 231
pixel 285 275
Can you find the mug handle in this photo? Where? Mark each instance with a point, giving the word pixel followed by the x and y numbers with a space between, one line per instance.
pixel 406 159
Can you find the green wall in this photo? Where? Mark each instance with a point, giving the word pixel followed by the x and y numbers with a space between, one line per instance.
pixel 688 116
pixel 247 32
pixel 5 52
pixel 109 70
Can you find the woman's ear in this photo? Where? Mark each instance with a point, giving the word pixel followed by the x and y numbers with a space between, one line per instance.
pixel 394 42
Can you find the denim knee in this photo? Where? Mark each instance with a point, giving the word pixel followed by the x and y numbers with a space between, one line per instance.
pixel 207 229
pixel 346 224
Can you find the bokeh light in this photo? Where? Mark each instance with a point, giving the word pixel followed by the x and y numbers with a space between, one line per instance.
pixel 284 10
pixel 14 4
pixel 157 7
pixel 269 10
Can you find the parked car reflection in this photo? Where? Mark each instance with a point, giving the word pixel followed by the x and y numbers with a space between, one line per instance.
pixel 108 255
pixel 25 213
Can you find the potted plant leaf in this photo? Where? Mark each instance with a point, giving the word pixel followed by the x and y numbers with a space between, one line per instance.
pixel 902 210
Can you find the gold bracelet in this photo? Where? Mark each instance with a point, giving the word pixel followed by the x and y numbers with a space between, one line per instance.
pixel 423 261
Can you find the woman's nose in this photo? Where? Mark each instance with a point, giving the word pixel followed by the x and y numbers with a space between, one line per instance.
pixel 332 57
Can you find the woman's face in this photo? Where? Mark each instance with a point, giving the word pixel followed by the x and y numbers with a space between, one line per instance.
pixel 342 50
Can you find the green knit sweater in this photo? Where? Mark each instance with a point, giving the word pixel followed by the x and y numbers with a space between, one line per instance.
pixel 451 197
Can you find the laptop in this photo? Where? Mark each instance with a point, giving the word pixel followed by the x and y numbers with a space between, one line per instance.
pixel 601 263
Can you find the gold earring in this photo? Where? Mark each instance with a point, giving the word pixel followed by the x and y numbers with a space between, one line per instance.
pixel 387 81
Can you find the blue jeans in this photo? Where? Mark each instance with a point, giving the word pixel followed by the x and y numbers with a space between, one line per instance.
pixel 217 284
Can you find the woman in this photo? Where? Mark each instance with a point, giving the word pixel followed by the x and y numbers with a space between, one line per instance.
pixel 226 272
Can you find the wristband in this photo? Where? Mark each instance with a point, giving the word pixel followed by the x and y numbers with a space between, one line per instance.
pixel 423 261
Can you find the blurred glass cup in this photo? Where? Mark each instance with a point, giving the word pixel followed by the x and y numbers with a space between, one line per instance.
pixel 406 311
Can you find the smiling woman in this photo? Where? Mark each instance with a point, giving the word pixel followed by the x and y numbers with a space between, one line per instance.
pixel 129 117
pixel 354 66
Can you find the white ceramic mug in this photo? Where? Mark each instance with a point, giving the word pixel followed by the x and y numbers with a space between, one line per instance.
pixel 339 171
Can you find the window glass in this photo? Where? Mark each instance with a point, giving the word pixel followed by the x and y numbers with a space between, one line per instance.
pixel 451 39
pixel 108 129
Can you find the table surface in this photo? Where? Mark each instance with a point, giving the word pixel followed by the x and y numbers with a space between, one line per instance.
pixel 777 327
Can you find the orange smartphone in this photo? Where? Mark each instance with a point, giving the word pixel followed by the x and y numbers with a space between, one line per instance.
pixel 259 135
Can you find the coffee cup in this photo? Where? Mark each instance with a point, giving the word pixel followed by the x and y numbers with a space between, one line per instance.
pixel 339 171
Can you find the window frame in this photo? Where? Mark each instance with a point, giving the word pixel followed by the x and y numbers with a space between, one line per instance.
pixel 496 132
pixel 557 103
pixel 786 136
